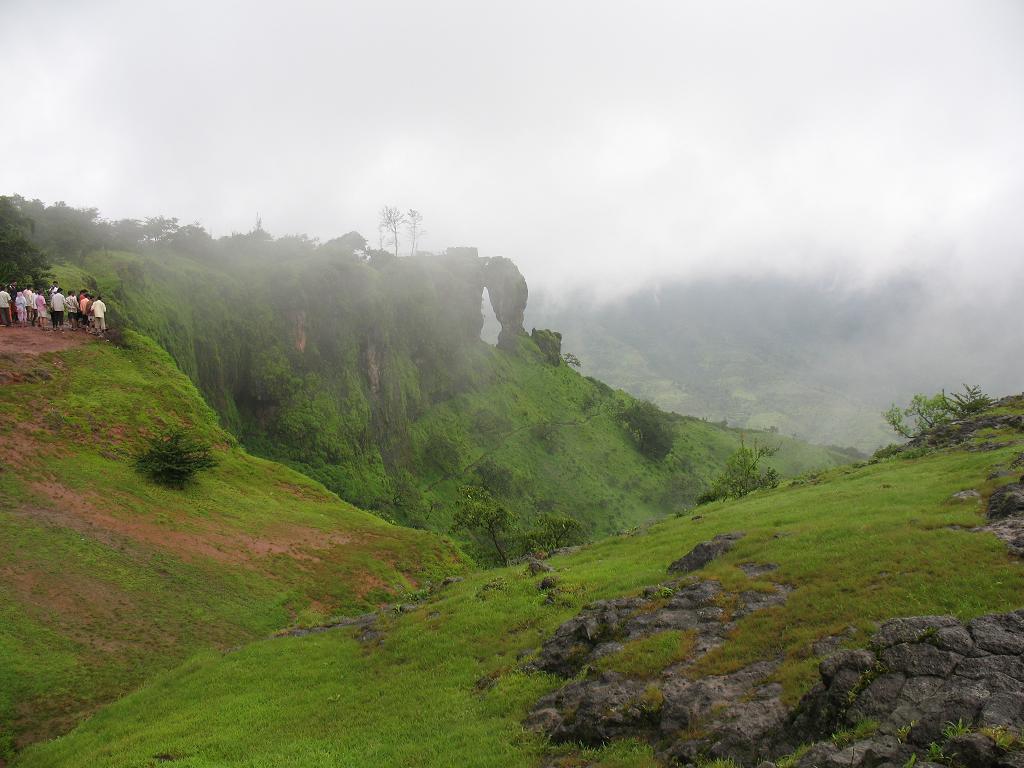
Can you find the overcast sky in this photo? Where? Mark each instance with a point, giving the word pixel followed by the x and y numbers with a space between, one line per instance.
pixel 595 143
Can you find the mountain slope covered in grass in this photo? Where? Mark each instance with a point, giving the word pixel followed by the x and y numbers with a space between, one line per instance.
pixel 368 373
pixel 449 683
pixel 107 578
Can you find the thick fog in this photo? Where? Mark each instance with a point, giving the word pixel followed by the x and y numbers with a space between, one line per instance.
pixel 601 145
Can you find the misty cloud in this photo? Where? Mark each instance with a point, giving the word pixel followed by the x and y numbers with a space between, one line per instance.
pixel 597 144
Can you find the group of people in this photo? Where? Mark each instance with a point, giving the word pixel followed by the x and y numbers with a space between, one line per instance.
pixel 75 311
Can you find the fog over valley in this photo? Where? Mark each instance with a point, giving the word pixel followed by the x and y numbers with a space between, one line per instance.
pixel 536 384
pixel 836 188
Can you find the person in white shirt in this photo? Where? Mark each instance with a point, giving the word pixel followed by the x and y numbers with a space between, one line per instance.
pixel 5 306
pixel 30 306
pixel 21 305
pixel 57 307
pixel 98 310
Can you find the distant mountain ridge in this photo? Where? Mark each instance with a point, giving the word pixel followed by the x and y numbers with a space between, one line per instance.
pixel 816 361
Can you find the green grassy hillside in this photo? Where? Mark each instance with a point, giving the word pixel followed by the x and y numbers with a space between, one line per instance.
pixel 106 578
pixel 444 685
pixel 370 376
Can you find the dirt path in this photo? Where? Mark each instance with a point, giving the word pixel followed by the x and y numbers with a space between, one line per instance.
pixel 33 341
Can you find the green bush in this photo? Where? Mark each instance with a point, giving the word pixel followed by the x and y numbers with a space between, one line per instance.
pixel 925 413
pixel 551 531
pixel 443 453
pixel 742 474
pixel 650 427
pixel 173 458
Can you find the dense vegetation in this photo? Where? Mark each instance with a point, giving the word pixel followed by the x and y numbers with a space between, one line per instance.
pixel 366 372
pixel 444 685
pixel 108 577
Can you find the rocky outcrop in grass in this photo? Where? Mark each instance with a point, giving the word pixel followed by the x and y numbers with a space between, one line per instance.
pixel 1006 516
pixel 725 715
pixel 705 552
pixel 928 690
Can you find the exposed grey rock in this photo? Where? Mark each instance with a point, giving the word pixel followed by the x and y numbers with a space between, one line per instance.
pixel 1010 530
pixel 832 643
pixel 508 293
pixel 364 622
pixel 548 582
pixel 1007 501
pixel 735 712
pixel 564 551
pixel 705 552
pixel 753 570
pixel 727 716
pixel 924 673
pixel 535 566
pixel 968 495
pixel 959 432
pixel 692 607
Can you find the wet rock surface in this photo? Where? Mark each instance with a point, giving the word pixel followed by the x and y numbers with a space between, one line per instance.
pixel 921 676
pixel 1007 501
pixel 724 715
pixel 705 552
pixel 366 624
pixel 604 626
pixel 927 689
pixel 1006 516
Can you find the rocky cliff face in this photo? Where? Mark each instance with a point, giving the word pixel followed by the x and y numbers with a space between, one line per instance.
pixel 505 285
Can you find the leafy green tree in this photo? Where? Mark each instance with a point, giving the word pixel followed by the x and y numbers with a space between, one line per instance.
pixel 925 413
pixel 571 360
pixel 443 453
pixel 743 474
pixel 650 427
pixel 551 531
pixel 495 477
pixel 970 402
pixel 922 414
pixel 488 522
pixel 20 259
pixel 173 458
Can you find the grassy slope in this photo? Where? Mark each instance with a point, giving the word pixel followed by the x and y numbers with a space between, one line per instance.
pixel 860 544
pixel 106 578
pixel 583 464
pixel 567 471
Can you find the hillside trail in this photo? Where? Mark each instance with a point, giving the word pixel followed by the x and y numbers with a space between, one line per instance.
pixel 35 341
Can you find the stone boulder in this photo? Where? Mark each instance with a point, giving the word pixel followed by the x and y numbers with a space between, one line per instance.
pixel 725 715
pixel 705 552
pixel 920 675
pixel 1007 501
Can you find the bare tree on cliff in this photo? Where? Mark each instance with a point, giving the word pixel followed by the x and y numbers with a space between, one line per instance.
pixel 391 221
pixel 414 225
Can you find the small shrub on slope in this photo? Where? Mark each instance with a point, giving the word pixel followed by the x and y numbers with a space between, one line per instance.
pixel 925 413
pixel 742 474
pixel 173 459
pixel 650 427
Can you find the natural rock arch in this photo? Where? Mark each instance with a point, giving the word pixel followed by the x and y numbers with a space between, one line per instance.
pixel 508 292
pixel 506 289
